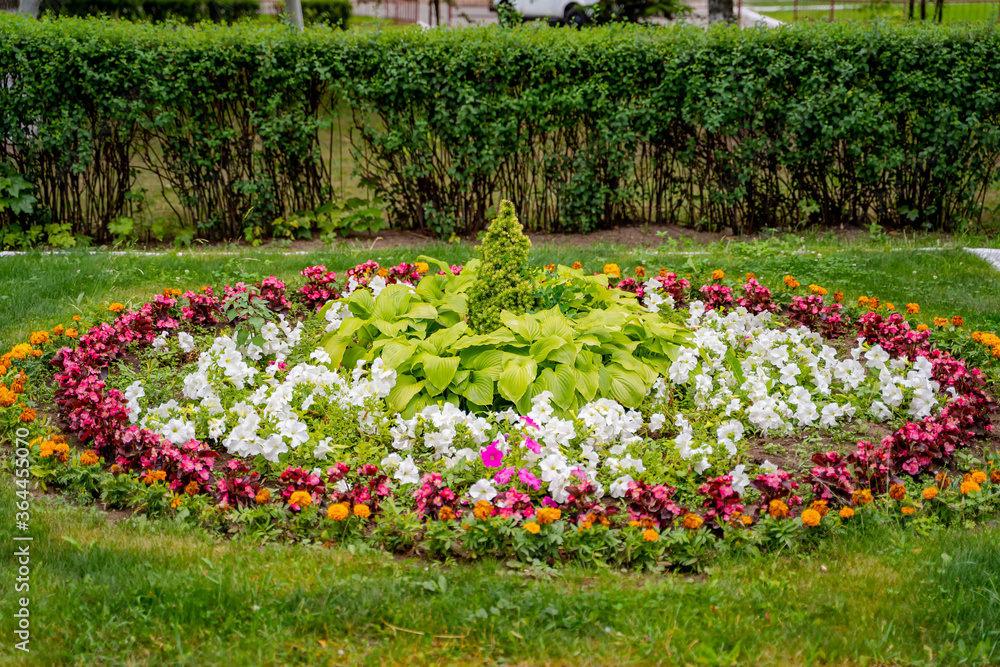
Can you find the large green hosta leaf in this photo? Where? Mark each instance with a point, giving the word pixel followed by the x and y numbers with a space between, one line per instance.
pixel 517 375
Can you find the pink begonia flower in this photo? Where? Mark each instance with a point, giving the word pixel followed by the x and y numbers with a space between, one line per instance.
pixel 492 457
pixel 503 477
pixel 533 445
pixel 528 479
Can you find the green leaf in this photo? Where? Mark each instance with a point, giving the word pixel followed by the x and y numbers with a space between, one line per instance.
pixel 403 392
pixel 479 390
pixel 489 361
pixel 541 348
pixel 439 371
pixel 622 385
pixel 561 382
pixel 518 374
pixel 394 353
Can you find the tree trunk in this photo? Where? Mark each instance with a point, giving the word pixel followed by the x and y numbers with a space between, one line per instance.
pixel 293 9
pixel 29 7
pixel 720 11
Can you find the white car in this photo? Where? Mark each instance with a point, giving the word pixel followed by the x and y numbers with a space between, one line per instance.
pixel 567 12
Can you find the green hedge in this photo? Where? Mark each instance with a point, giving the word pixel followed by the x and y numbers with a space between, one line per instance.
pixel 332 12
pixel 580 129
pixel 189 11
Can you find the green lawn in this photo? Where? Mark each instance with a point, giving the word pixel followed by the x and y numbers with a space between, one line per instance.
pixel 135 593
pixel 953 13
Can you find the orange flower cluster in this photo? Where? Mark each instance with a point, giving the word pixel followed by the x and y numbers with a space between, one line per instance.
pixel 791 283
pixel 907 510
pixel 154 476
pixel 693 521
pixel 957 321
pixel 116 307
pixel 446 514
pixel 640 272
pixel 423 268
pixel 811 518
pixel 57 446
pixel 820 506
pixel 577 265
pixel 302 499
pixel 912 309
pixel 263 496
pixel 718 274
pixel 482 510
pixel 531 527
pixel 778 509
pixel 362 511
pixel 897 491
pixel 838 296
pixel 612 270
pixel 548 515
pixel 816 289
pixel 861 497
pixel 940 322
pixel 89 458
pixel 930 493
pixel 846 512
pixel 651 535
pixel 338 512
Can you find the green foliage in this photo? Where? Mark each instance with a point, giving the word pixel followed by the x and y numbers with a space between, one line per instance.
pixel 335 13
pixel 503 283
pixel 581 129
pixel 610 347
pixel 336 218
pixel 190 11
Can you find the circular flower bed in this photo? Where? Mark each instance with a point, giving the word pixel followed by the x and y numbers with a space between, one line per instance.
pixel 627 420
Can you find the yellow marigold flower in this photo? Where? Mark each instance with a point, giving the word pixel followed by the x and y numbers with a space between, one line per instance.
pixel 46 449
pixel 922 327
pixel 20 351
pixel 383 272
pixel 482 510
pixel 816 289
pixel 746 519
pixel 978 476
pixel 991 340
pixel 750 276
pixel 58 329
pixel 640 272
pixel 548 515
pixel 263 497
pixel 897 491
pixel 176 502
pixel 969 487
pixel 577 265
pixel 116 307
pixel 651 535
pixel 550 267
pixel 862 300
pixel 89 458
pixel 423 267
pixel 907 510
pixel 811 518
pixel 532 527
pixel 846 512
pixel 777 509
pixel 39 337
pixel 27 416
pixel 584 525
pixel 996 352
pixel 940 322
pixel 718 274
pixel 76 318
pixel 838 296
pixel 301 499
pixel 862 497
pixel 72 333
pixel 633 524
pixel 956 321
pixel 612 270
pixel 693 521
pixel 192 488
pixel 362 511
pixel 791 283
pixel 820 506
pixel 912 309
pixel 930 493
pixel 446 514
pixel 338 512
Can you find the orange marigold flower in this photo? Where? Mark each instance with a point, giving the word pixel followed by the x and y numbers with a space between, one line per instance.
pixel 846 512
pixel 423 267
pixel 862 300
pixel 263 496
pixel 889 306
pixel 154 476
pixel 640 272
pixel 750 276
pixel 922 327
pixel 907 510
pixel 39 337
pixel 718 274
pixel 746 519
pixel 816 289
pixel 550 267
pixel 577 265
pixel 192 489
pixel 633 524
pixel 58 329
pixel 995 476
pixel 89 458
pixel 116 470
pixel 969 487
pixel 63 447
pixel 956 321
pixel 116 307
pixel 27 415
pixel 446 514
pixel 861 497
pixel 912 309
pixel 651 535
pixel 584 525
pixel 76 318
pixel 811 518
pixel 362 511
pixel 873 303
pixel 612 270
pixel 692 521
pixel 7 397
pixel 940 322
pixel 930 493
pixel 383 272
pixel 532 527
pixel 482 510
pixel 46 449
pixel 897 491
pixel 979 477
pixel 548 515
pixel 300 499
pixel 838 296
pixel 820 506
pixel 777 509
pixel 176 502
pixel 791 283
pixel 338 512
pixel 942 480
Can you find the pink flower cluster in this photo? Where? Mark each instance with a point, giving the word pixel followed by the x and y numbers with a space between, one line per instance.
pixel 756 298
pixel 717 297
pixel 319 287
pixel 777 485
pixel 831 478
pixel 894 334
pixel 721 500
pixel 238 485
pixel 191 462
pixel 433 496
pixel 300 479
pixel 676 287
pixel 652 502
pixel 366 486
pixel 203 308
pixel 809 311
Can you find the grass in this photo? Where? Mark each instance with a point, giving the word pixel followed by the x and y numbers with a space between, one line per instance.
pixel 136 593
pixel 140 593
pixel 953 12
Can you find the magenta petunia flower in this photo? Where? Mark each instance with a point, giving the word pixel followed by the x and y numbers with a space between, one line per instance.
pixel 528 479
pixel 492 457
pixel 503 477
pixel 533 445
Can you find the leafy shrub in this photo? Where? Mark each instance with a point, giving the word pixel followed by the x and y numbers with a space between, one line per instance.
pixel 503 283
pixel 333 12
pixel 156 10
